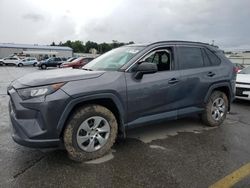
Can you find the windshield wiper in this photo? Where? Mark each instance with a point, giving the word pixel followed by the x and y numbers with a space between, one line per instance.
pixel 87 69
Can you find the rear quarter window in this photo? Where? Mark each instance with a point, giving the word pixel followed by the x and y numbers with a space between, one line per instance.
pixel 214 59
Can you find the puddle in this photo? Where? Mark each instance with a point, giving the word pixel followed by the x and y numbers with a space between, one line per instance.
pixel 158 132
pixel 103 159
pixel 157 147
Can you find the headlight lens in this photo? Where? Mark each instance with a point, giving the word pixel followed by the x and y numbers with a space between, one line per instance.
pixel 29 93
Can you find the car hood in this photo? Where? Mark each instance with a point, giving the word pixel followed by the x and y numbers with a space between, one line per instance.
pixel 54 76
pixel 243 78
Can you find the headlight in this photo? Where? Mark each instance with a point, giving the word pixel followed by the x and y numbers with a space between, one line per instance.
pixel 32 92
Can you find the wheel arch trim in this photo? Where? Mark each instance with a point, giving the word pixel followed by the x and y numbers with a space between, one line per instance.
pixel 217 86
pixel 75 101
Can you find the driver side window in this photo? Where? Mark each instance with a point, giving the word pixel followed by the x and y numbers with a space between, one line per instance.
pixel 162 58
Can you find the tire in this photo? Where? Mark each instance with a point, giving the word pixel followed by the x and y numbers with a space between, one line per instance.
pixel 81 125
pixel 2 63
pixel 34 65
pixel 20 65
pixel 43 66
pixel 216 109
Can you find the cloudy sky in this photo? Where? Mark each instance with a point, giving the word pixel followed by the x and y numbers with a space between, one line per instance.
pixel 43 21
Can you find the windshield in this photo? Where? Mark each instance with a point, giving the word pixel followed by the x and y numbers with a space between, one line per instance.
pixel 76 60
pixel 245 71
pixel 113 59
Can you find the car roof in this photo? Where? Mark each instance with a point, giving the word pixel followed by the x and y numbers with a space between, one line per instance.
pixel 176 42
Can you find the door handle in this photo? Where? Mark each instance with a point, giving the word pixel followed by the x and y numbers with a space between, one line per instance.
pixel 173 81
pixel 210 74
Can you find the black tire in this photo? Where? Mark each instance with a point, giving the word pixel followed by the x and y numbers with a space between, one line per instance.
pixel 2 63
pixel 20 65
pixel 207 115
pixel 43 66
pixel 71 132
pixel 34 65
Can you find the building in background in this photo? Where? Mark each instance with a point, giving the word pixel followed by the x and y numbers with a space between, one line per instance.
pixel 38 51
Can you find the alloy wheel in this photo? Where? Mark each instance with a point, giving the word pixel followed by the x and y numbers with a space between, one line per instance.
pixel 93 133
pixel 218 109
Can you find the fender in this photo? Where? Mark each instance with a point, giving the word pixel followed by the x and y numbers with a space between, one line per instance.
pixel 217 85
pixel 69 107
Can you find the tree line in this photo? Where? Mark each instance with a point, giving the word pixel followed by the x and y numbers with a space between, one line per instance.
pixel 81 47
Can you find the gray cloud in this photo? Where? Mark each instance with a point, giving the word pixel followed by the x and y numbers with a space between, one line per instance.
pixel 224 21
pixel 33 17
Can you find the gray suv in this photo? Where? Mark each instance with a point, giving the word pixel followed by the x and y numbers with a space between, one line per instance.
pixel 84 110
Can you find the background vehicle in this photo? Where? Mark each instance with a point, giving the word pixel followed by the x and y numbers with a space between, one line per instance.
pixel 28 61
pixel 10 61
pixel 239 67
pixel 77 63
pixel 85 109
pixel 243 84
pixel 51 62
pixel 71 59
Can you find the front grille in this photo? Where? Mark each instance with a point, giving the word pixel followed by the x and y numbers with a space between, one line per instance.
pixel 239 92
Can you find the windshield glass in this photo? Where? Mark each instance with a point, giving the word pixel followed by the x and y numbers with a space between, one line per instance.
pixel 113 59
pixel 245 71
pixel 76 60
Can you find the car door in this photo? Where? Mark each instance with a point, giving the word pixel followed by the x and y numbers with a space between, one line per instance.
pixel 154 97
pixel 196 77
pixel 14 60
pixel 58 61
pixel 52 62
pixel 7 60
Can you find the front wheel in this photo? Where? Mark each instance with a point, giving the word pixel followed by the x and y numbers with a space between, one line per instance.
pixel 216 109
pixel 20 65
pixel 90 133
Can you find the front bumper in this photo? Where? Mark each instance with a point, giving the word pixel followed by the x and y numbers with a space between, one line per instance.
pixel 34 121
pixel 243 91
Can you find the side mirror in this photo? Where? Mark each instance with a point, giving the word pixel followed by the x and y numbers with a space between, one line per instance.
pixel 145 68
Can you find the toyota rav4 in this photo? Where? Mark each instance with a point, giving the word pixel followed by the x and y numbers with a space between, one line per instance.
pixel 84 110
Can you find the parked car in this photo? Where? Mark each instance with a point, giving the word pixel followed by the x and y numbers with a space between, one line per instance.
pixel 51 62
pixel 86 109
pixel 71 59
pixel 243 84
pixel 28 61
pixel 238 66
pixel 10 61
pixel 77 63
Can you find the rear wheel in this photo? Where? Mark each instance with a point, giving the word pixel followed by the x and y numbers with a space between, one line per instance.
pixel 34 64
pixel 43 66
pixel 216 109
pixel 90 132
pixel 20 65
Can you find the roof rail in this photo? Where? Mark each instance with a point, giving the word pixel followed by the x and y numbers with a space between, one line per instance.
pixel 180 41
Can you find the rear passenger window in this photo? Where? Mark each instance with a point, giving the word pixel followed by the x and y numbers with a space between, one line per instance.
pixel 190 57
pixel 213 58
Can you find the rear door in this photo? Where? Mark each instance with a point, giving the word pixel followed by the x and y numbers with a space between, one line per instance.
pixel 14 60
pixel 197 75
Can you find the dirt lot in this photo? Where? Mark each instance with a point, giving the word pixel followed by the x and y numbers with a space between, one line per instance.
pixel 181 153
